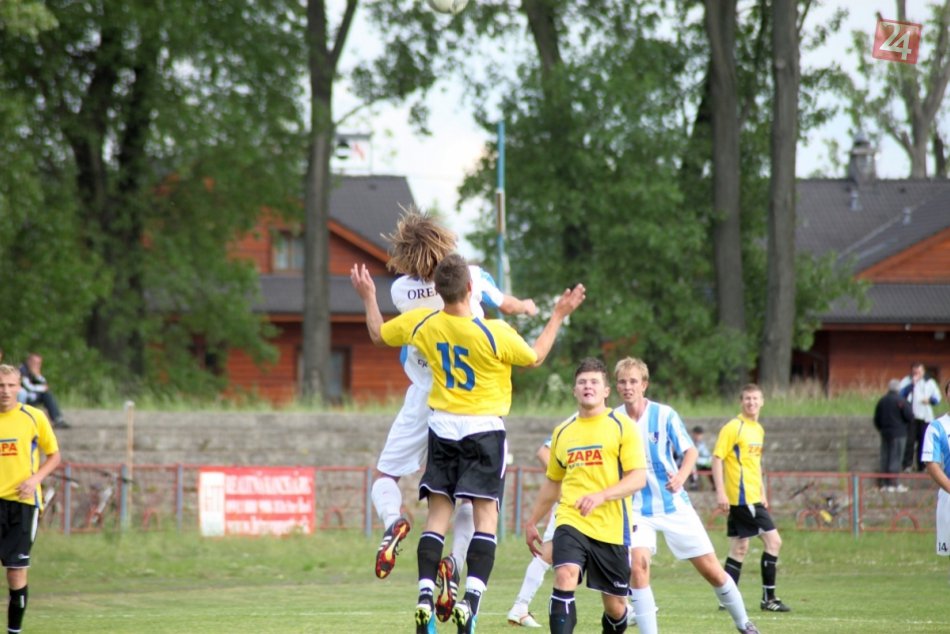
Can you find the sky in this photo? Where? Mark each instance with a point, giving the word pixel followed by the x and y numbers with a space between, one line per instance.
pixel 436 165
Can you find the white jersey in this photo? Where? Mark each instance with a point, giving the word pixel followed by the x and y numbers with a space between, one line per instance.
pixel 664 436
pixel 922 395
pixel 411 292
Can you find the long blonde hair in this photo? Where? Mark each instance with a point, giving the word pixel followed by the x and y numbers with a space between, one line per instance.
pixel 418 244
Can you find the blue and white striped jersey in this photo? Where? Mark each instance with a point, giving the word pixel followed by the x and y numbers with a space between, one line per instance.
pixel 937 443
pixel 664 436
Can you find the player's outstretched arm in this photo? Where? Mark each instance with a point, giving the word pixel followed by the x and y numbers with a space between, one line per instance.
pixel 566 304
pixel 365 287
pixel 511 305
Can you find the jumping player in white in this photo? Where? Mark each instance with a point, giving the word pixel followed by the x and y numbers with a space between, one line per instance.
pixel 418 245
pixel 663 506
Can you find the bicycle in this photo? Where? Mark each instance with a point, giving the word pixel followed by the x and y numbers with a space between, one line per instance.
pixel 822 511
pixel 51 501
pixel 102 502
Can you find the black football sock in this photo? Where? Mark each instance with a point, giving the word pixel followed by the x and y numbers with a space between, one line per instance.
pixel 769 564
pixel 16 609
pixel 562 612
pixel 733 568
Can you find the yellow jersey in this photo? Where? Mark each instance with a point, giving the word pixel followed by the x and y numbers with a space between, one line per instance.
pixel 470 358
pixel 588 455
pixel 739 445
pixel 24 431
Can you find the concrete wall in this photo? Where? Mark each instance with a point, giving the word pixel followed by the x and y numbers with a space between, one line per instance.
pixel 345 439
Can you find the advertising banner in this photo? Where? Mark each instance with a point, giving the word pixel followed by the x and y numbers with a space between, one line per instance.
pixel 256 500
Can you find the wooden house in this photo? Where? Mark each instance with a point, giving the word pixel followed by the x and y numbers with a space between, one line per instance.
pixel 895 235
pixel 362 208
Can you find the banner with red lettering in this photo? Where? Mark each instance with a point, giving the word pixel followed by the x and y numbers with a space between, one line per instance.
pixel 256 500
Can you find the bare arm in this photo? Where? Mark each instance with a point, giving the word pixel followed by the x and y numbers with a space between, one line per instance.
pixel 630 483
pixel 543 454
pixel 721 498
pixel 677 479
pixel 27 488
pixel 511 305
pixel 937 475
pixel 567 303
pixel 363 283
pixel 549 494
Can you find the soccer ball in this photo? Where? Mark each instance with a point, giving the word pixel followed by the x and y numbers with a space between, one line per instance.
pixel 448 6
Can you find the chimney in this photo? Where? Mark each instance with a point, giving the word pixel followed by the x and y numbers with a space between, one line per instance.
pixel 861 168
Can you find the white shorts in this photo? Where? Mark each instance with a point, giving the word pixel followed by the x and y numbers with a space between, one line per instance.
pixel 943 523
pixel 682 529
pixel 405 449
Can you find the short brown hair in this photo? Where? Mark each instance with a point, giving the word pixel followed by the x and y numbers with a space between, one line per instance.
pixel 591 364
pixel 749 387
pixel 418 244
pixel 452 278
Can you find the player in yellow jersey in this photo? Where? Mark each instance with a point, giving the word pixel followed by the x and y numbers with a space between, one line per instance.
pixel 597 462
pixel 471 362
pixel 737 472
pixel 24 431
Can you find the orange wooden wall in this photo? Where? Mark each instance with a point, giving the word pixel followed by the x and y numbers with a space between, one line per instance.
pixel 371 373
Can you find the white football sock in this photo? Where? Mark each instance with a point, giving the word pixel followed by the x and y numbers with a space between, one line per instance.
pixel 644 607
pixel 387 500
pixel 730 597
pixel 463 531
pixel 533 578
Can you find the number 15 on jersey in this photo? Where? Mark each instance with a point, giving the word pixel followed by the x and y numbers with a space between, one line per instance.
pixel 453 359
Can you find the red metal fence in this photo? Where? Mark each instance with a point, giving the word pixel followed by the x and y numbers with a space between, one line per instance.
pixel 89 497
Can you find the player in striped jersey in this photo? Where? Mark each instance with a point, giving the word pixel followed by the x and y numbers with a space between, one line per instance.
pixel 936 457
pixel 737 471
pixel 663 506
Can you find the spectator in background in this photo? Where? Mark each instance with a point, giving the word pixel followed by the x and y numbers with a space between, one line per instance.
pixel 35 390
pixel 892 415
pixel 923 393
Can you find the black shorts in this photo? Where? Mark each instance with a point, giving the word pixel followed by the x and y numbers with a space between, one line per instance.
pixel 607 565
pixel 473 467
pixel 17 532
pixel 748 521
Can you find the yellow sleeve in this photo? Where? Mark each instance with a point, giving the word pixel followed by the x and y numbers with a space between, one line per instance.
pixel 398 331
pixel 725 440
pixel 512 348
pixel 46 439
pixel 555 470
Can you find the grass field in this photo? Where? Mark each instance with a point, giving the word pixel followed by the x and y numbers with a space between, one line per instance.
pixel 166 582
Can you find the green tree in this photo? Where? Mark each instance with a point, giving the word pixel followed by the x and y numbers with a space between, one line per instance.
pixel 147 138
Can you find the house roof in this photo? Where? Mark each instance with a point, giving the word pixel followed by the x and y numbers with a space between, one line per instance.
pixel 827 221
pixel 284 294
pixel 866 225
pixel 896 304
pixel 369 205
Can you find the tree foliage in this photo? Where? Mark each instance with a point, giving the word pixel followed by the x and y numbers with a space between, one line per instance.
pixel 144 137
